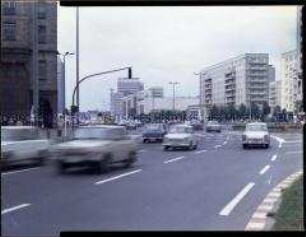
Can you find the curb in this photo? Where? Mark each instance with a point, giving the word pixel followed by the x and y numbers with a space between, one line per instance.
pixel 261 217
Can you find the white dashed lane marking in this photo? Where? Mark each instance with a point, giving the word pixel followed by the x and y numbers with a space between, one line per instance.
pixel 201 151
pixel 217 146
pixel 274 157
pixel 14 208
pixel 232 204
pixel 264 170
pixel 175 159
pixel 117 177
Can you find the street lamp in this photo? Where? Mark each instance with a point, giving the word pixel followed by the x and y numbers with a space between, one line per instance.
pixel 174 84
pixel 64 86
pixel 200 95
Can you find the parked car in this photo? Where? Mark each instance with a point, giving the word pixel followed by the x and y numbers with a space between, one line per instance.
pixel 180 136
pixel 22 145
pixel 154 132
pixel 256 134
pixel 96 146
pixel 122 123
pixel 213 126
pixel 197 125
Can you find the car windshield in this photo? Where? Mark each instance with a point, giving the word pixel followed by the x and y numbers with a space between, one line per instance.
pixel 181 130
pixel 153 127
pixel 18 133
pixel 256 127
pixel 100 133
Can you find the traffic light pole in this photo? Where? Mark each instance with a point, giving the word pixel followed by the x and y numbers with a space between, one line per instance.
pixel 76 88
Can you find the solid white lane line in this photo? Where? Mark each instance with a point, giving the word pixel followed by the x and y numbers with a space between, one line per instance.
pixel 293 152
pixel 264 170
pixel 19 171
pixel 117 177
pixel 224 143
pixel 14 208
pixel 231 205
pixel 216 146
pixel 274 157
pixel 175 159
pixel 279 140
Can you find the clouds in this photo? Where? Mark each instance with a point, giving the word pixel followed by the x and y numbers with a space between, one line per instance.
pixel 168 43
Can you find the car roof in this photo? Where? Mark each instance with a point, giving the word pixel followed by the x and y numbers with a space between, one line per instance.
pixel 183 125
pixel 102 126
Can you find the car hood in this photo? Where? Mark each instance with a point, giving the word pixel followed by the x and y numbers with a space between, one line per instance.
pixel 7 143
pixel 178 136
pixel 77 144
pixel 256 134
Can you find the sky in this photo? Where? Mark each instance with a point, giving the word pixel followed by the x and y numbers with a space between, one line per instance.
pixel 165 44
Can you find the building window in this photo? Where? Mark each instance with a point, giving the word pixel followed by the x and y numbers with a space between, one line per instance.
pixel 42 70
pixel 9 8
pixel 42 34
pixel 41 9
pixel 9 30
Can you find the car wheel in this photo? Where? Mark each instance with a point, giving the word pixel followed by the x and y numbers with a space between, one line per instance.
pixel 166 148
pixel 190 146
pixel 144 140
pixel 245 146
pixel 131 159
pixel 61 167
pixel 195 146
pixel 267 146
pixel 104 163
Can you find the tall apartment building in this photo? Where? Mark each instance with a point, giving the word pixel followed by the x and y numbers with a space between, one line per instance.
pixel 291 82
pixel 240 80
pixel 275 94
pixel 16 76
pixel 299 39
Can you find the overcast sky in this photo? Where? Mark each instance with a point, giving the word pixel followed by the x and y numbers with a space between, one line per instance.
pixel 166 44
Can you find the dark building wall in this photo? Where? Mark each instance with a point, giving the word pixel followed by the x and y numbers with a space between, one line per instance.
pixel 16 57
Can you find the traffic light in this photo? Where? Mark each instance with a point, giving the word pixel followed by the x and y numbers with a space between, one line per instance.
pixel 129 72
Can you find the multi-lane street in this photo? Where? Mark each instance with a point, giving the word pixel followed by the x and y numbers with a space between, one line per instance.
pixel 216 187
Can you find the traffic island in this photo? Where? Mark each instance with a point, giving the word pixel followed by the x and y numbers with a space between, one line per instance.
pixel 289 216
pixel 284 204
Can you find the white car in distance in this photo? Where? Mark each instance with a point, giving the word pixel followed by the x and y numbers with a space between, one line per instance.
pixel 180 136
pixel 256 134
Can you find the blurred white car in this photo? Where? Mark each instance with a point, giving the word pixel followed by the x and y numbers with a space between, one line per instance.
pixel 180 136
pixel 213 126
pixel 256 134
pixel 21 145
pixel 97 146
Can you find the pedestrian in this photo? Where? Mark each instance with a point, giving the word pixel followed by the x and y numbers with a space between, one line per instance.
pixel 60 125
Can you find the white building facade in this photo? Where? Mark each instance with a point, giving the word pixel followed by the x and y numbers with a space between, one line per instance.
pixel 240 80
pixel 275 94
pixel 291 83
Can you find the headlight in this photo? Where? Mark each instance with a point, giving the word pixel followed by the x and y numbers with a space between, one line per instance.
pixel 244 137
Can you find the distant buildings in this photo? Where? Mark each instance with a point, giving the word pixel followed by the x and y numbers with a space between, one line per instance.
pixel 240 80
pixel 16 76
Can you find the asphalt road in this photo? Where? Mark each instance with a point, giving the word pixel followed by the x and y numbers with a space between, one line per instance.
pixel 216 187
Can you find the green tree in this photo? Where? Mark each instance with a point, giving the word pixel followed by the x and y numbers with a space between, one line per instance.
pixel 265 110
pixel 242 111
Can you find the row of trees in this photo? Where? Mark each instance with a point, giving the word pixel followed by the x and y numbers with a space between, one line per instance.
pixel 242 112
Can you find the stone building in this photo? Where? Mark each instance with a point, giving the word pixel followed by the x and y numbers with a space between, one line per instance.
pixel 16 75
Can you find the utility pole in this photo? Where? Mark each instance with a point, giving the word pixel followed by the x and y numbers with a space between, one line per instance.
pixel 200 95
pixel 173 88
pixel 35 85
pixel 77 57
